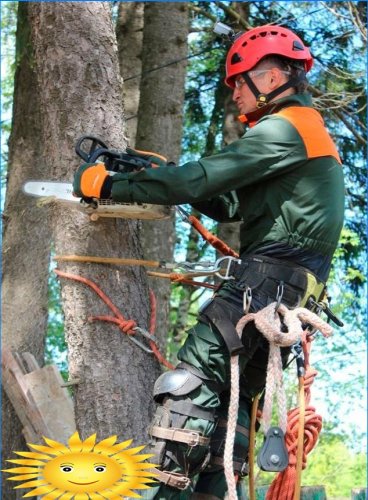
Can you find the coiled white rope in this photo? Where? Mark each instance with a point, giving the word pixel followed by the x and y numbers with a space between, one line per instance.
pixel 269 323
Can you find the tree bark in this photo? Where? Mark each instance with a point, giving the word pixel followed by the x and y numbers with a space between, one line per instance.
pixel 160 117
pixel 77 64
pixel 129 33
pixel 27 233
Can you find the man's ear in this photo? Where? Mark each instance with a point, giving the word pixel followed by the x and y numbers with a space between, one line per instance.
pixel 275 77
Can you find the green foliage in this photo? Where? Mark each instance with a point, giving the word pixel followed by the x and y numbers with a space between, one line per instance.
pixel 334 465
pixel 56 347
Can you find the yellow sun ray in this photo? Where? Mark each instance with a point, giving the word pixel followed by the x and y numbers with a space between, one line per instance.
pixel 105 444
pixel 31 484
pixel 26 461
pixel 120 446
pixel 56 445
pixel 144 473
pixel 21 470
pixel 44 449
pixel 68 496
pixel 23 477
pixel 92 496
pixel 75 443
pixel 32 454
pixel 52 495
pixel 140 458
pixel 89 443
pixel 42 490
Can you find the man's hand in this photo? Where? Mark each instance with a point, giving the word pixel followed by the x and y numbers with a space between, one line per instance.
pixel 92 180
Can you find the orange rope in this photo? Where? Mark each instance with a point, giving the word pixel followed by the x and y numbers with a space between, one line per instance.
pixel 283 486
pixel 213 240
pixel 125 325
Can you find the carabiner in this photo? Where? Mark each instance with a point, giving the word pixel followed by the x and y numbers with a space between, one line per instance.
pixel 144 334
pixel 280 293
pixel 218 267
pixel 247 299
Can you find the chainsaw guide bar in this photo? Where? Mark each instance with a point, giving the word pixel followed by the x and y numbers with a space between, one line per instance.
pixel 62 192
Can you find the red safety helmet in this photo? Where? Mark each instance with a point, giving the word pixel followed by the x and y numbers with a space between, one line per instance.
pixel 254 45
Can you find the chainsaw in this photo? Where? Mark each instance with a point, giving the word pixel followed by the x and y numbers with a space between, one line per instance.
pixel 90 149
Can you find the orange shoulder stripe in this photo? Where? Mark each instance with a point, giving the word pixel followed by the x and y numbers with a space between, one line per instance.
pixel 309 124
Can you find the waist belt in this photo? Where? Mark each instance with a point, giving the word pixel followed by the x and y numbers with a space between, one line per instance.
pixel 266 273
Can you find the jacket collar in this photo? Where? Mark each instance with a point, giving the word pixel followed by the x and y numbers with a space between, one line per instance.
pixel 250 119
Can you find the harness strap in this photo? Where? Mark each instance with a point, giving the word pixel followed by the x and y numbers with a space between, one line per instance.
pixel 240 467
pixel 216 314
pixel 239 428
pixel 180 435
pixel 173 479
pixel 189 409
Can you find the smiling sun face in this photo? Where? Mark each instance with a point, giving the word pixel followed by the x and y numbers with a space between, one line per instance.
pixel 84 470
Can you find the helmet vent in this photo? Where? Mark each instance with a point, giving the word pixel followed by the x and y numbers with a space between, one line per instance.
pixel 263 33
pixel 274 33
pixel 236 58
pixel 283 34
pixel 253 37
pixel 297 45
pixel 244 44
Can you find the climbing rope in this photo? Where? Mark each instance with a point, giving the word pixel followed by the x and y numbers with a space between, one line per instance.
pixel 301 437
pixel 213 240
pixel 127 326
pixel 269 321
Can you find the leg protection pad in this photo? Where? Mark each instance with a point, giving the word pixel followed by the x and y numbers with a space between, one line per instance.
pixel 180 429
pixel 178 382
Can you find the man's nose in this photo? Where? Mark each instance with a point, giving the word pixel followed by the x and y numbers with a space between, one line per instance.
pixel 236 93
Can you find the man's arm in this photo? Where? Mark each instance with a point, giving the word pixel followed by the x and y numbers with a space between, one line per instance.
pixel 223 208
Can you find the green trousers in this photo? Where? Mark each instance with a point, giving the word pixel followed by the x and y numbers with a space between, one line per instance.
pixel 205 351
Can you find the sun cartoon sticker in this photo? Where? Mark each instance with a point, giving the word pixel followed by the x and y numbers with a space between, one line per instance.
pixel 84 470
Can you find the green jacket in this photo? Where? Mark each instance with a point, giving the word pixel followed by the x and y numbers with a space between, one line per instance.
pixel 285 172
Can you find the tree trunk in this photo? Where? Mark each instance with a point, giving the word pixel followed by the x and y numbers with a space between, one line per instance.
pixel 129 32
pixel 160 118
pixel 231 131
pixel 77 64
pixel 27 234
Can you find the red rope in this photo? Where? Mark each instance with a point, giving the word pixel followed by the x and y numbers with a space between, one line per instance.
pixel 283 486
pixel 213 240
pixel 125 325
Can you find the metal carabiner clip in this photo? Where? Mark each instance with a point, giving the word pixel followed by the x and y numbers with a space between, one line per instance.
pixel 247 299
pixel 144 334
pixel 224 273
pixel 279 295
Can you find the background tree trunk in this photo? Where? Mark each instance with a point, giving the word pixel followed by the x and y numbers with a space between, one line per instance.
pixel 160 117
pixel 231 131
pixel 26 237
pixel 77 64
pixel 129 33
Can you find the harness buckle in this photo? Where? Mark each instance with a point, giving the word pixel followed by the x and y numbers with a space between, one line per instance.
pixel 224 273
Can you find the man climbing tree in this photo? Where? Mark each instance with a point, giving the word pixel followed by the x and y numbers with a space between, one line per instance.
pixel 288 179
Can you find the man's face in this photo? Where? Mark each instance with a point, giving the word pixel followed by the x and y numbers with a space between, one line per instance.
pixel 265 79
pixel 243 96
